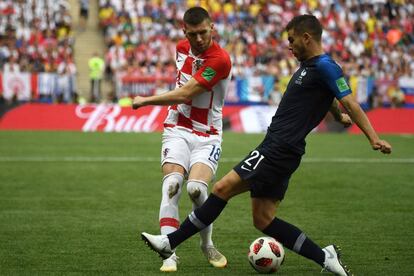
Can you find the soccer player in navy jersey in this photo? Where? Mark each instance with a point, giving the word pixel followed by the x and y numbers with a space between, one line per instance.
pixel 314 89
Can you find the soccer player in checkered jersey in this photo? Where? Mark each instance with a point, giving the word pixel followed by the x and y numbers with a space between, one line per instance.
pixel 191 142
pixel 266 171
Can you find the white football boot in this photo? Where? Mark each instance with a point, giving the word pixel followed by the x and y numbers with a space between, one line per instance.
pixel 170 264
pixel 333 261
pixel 158 243
pixel 214 257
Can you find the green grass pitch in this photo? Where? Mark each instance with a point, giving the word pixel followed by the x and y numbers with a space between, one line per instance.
pixel 75 203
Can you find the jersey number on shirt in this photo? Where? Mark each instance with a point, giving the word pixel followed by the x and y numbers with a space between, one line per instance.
pixel 253 161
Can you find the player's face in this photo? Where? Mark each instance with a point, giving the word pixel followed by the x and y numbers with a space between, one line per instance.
pixel 297 46
pixel 199 36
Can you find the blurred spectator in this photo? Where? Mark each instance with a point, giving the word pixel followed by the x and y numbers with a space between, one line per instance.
pixel 275 96
pixel 397 96
pixel 11 66
pixel 83 14
pixel 96 70
pixel 66 84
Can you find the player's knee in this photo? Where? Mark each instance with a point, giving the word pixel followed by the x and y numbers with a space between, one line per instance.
pixel 222 189
pixel 195 188
pixel 172 184
pixel 219 188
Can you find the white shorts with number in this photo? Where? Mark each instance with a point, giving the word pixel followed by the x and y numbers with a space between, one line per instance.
pixel 180 146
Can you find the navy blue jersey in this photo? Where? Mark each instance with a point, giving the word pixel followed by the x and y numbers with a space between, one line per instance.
pixel 307 99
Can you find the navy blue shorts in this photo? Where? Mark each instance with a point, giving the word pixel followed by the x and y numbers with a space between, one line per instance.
pixel 268 170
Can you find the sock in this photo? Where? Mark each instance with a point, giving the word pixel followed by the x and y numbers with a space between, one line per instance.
pixel 293 238
pixel 171 191
pixel 198 220
pixel 197 190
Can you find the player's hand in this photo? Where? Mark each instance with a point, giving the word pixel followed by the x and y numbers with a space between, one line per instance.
pixel 382 146
pixel 346 120
pixel 137 102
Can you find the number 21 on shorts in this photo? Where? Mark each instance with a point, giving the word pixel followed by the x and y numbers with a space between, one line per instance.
pixel 252 161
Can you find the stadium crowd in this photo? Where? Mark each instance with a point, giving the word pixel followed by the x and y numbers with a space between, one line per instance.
pixel 36 37
pixel 372 39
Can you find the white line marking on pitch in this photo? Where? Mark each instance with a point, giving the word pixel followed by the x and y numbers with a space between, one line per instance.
pixel 223 160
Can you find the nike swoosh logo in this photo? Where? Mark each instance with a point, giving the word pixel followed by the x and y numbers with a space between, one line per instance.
pixel 246 169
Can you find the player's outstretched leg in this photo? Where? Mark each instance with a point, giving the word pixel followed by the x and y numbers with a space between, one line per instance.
pixel 196 221
pixel 333 261
pixel 197 190
pixel 158 243
pixel 169 216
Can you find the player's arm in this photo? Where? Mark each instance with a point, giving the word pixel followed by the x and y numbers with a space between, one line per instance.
pixel 340 117
pixel 362 121
pixel 177 96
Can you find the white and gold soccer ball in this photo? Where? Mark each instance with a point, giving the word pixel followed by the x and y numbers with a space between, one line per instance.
pixel 266 255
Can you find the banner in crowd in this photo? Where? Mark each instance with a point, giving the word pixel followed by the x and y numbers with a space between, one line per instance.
pixel 113 118
pixel 16 85
pixel 133 85
pixel 407 86
pixel 51 87
pixel 26 86
pixel 252 89
pixel 259 88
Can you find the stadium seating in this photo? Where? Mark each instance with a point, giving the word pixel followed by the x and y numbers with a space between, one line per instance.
pixel 373 41
pixel 36 51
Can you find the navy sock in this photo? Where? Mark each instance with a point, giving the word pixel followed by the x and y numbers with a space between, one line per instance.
pixel 199 219
pixel 293 238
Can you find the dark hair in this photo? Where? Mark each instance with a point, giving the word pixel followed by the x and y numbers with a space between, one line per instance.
pixel 306 23
pixel 195 16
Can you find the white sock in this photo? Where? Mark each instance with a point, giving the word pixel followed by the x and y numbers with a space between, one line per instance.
pixel 171 192
pixel 198 192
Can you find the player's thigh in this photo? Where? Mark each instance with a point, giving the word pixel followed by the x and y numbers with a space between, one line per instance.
pixel 230 185
pixel 207 151
pixel 200 171
pixel 168 168
pixel 175 149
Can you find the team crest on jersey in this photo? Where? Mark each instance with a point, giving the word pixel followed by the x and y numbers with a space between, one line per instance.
pixel 165 152
pixel 197 64
pixel 299 79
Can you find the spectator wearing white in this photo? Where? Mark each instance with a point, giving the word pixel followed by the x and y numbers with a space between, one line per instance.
pixel 116 58
pixel 11 66
pixel 66 80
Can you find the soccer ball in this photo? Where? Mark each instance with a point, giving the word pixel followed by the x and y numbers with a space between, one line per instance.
pixel 266 255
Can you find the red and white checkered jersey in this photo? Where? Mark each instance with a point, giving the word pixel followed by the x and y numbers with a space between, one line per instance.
pixel 212 69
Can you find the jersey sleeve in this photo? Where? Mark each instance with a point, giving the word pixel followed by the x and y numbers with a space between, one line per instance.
pixel 212 71
pixel 333 77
